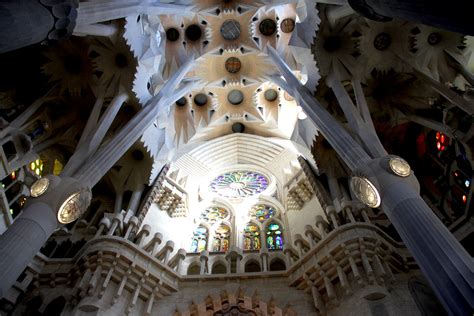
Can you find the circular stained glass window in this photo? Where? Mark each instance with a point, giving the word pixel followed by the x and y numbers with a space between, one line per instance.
pixel 239 184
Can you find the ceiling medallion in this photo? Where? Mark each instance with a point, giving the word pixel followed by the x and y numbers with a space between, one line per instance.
pixel 287 25
pixel 235 97
pixel 39 187
pixel 230 30
pixel 267 27
pixel 233 65
pixel 270 95
pixel 365 191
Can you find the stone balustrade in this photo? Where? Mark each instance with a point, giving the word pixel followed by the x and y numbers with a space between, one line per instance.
pixel 338 255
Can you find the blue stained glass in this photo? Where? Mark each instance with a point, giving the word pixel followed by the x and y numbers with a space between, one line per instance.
pixel 239 184
pixel 279 242
pixel 199 240
pixel 274 237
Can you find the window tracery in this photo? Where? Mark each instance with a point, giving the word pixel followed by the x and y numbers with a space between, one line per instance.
pixel 262 212
pixel 212 215
pixel 239 184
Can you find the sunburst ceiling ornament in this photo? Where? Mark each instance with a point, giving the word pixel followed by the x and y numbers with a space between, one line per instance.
pixel 237 184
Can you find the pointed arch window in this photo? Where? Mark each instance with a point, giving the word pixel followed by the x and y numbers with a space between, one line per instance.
pixel 262 212
pixel 252 237
pixel 274 237
pixel 199 240
pixel 221 238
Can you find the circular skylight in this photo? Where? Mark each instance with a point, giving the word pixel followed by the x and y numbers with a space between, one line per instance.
pixel 236 184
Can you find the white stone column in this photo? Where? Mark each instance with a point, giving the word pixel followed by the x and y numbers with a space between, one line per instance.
pixel 28 233
pixel 445 263
pixel 22 240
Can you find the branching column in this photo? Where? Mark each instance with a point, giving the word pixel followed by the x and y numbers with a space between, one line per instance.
pixel 447 266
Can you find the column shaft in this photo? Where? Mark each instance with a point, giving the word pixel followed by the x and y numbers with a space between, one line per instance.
pixel 444 262
pixel 22 240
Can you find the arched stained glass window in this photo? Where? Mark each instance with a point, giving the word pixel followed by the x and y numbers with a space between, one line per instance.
pixel 199 241
pixel 212 215
pixel 239 184
pixel 274 237
pixel 221 238
pixel 251 237
pixel 262 212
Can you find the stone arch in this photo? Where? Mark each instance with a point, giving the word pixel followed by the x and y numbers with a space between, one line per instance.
pixel 219 267
pixel 277 264
pixel 55 307
pixel 194 269
pixel 252 265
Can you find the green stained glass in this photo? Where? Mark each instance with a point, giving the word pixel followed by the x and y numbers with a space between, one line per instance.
pixel 274 227
pixel 274 237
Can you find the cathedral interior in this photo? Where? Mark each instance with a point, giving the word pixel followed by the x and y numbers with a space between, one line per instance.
pixel 236 157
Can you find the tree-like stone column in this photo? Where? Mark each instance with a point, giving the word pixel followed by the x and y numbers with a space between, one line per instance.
pixel 445 263
pixel 28 233
pixel 23 239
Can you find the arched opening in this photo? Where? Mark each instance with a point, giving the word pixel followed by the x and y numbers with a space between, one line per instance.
pixel 277 265
pixel 219 268
pixel 55 307
pixel 194 269
pixel 33 306
pixel 252 266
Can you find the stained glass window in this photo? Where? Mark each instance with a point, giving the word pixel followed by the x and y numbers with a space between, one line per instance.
pixel 251 237
pixel 239 184
pixel 212 215
pixel 221 238
pixel 262 212
pixel 199 241
pixel 274 236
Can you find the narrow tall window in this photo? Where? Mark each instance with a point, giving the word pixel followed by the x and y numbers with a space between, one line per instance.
pixel 274 237
pixel 221 238
pixel 251 237
pixel 199 241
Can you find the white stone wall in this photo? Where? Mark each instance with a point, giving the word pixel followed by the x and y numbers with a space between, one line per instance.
pixel 270 290
pixel 297 220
